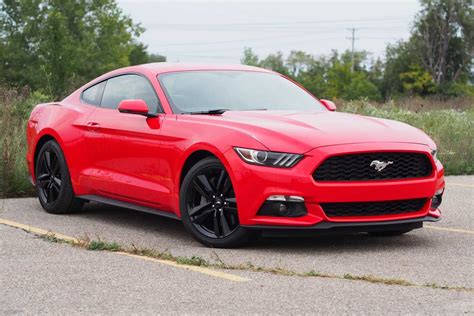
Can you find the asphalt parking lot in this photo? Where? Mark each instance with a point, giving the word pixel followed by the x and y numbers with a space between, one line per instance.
pixel 435 263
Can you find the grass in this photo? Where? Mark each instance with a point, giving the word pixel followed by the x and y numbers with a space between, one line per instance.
pixel 14 109
pixel 451 129
pixel 449 122
pixel 101 245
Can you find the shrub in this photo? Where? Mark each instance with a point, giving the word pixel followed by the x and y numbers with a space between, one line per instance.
pixel 452 130
pixel 14 109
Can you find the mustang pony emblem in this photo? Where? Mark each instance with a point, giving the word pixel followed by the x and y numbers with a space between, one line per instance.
pixel 380 165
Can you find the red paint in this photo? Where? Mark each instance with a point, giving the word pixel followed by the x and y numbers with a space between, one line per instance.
pixel 137 159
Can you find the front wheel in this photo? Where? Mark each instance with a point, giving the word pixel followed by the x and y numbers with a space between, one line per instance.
pixel 209 206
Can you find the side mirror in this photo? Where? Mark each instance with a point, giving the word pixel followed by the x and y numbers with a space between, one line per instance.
pixel 134 107
pixel 328 104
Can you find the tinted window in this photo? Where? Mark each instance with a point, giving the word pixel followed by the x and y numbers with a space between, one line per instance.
pixel 93 94
pixel 128 87
pixel 235 90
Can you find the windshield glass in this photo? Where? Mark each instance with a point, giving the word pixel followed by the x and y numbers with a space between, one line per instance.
pixel 195 91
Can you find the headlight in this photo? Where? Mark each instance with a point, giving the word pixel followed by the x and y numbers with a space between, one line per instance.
pixel 268 158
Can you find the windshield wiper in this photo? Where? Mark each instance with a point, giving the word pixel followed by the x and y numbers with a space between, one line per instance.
pixel 210 112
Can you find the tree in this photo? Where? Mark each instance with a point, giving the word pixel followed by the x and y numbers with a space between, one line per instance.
pixel 417 81
pixel 138 54
pixel 57 45
pixel 298 62
pixel 441 43
pixel 250 58
pixel 444 36
pixel 156 58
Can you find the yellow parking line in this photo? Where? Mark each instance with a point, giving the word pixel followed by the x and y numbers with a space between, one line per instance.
pixel 461 185
pixel 453 230
pixel 203 270
pixel 37 231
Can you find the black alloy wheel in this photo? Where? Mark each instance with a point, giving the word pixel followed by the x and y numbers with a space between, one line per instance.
pixel 48 177
pixel 209 206
pixel 53 182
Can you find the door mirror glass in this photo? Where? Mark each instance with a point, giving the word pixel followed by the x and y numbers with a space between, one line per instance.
pixel 137 106
pixel 328 104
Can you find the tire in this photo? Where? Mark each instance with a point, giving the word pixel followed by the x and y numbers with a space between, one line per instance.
pixel 53 182
pixel 209 208
pixel 390 233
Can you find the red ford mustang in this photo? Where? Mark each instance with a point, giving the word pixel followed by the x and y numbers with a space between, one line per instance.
pixel 232 151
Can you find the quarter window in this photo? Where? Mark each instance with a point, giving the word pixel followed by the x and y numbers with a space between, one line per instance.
pixel 128 87
pixel 93 94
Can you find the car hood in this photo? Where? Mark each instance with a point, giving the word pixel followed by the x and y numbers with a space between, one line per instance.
pixel 303 131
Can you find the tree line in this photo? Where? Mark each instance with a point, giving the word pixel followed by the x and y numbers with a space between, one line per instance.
pixel 54 46
pixel 437 59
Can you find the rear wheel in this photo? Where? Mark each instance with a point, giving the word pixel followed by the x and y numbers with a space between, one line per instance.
pixel 53 183
pixel 209 206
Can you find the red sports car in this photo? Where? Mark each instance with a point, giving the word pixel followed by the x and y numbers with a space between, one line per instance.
pixel 234 152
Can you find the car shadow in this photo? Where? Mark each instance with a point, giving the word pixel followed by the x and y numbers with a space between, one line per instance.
pixel 174 230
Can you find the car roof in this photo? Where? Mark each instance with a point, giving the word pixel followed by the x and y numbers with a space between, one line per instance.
pixel 164 67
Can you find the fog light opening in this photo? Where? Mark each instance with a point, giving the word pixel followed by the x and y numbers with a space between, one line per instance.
pixel 283 206
pixel 437 199
pixel 286 198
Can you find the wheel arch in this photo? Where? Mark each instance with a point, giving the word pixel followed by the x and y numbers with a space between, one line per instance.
pixel 191 160
pixel 43 138
pixel 197 153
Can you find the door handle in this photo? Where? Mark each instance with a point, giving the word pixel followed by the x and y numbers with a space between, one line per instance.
pixel 93 126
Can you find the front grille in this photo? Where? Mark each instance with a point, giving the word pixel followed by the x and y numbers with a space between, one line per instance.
pixel 372 208
pixel 355 167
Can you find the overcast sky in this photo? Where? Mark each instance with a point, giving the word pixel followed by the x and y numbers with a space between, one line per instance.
pixel 218 31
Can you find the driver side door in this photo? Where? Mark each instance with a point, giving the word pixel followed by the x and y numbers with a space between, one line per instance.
pixel 124 148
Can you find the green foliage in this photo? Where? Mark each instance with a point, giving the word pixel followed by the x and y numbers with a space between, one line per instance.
pixel 249 57
pixel 101 245
pixel 55 46
pixel 441 46
pixel 14 110
pixel 156 58
pixel 452 130
pixel 417 81
pixel 329 78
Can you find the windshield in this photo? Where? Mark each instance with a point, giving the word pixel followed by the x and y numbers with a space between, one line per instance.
pixel 195 91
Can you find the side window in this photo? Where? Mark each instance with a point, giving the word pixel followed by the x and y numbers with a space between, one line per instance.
pixel 93 94
pixel 128 87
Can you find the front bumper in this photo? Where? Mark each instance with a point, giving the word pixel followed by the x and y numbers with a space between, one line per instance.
pixel 331 227
pixel 254 184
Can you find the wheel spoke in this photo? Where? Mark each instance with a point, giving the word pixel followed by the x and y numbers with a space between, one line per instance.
pixel 57 181
pixel 55 166
pixel 43 177
pixel 199 209
pixel 230 209
pixel 221 182
pixel 55 186
pixel 231 200
pixel 49 197
pixel 204 187
pixel 224 225
pixel 47 160
pixel 227 186
pixel 43 180
pixel 201 218
pixel 216 225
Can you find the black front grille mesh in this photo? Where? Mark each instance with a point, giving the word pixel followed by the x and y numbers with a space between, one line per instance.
pixel 372 208
pixel 356 167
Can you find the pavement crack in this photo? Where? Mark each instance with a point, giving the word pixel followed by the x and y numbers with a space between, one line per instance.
pixel 137 251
